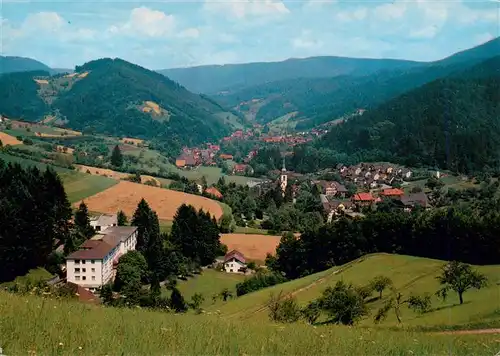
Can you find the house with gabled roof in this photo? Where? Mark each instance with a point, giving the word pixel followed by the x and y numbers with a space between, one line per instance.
pixel 363 199
pixel 235 262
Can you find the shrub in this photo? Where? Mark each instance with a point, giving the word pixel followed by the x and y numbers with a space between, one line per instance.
pixel 258 281
pixel 283 309
pixel 343 303
pixel 311 312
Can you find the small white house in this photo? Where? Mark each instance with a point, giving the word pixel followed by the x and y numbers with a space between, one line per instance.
pixel 235 262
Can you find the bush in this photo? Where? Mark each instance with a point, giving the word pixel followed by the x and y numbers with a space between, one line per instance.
pixel 343 303
pixel 419 304
pixel 311 312
pixel 258 281
pixel 283 309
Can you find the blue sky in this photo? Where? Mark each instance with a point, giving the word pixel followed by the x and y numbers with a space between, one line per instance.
pixel 165 34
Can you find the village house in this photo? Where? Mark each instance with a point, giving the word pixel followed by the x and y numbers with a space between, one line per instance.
pixel 93 265
pixel 415 199
pixel 214 192
pixel 242 169
pixel 226 156
pixel 392 193
pixel 235 262
pixel 185 161
pixel 363 199
pixel 332 188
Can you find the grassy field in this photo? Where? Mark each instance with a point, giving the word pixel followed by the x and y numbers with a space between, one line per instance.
pixel 411 275
pixel 77 185
pixel 32 325
pixel 209 283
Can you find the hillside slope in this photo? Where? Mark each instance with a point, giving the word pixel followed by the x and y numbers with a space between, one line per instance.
pixel 10 64
pixel 232 77
pixel 319 100
pixel 114 97
pixel 450 123
pixel 410 275
pixel 57 327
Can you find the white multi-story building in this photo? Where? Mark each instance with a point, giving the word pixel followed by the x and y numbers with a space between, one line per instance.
pixel 102 222
pixel 94 264
pixel 234 262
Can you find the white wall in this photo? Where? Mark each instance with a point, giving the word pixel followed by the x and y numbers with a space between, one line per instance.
pixel 233 265
pixel 85 273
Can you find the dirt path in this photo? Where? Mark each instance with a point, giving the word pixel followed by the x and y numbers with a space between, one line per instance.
pixel 469 332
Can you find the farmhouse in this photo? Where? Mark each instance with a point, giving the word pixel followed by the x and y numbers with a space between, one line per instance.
pixel 363 199
pixel 94 264
pixel 214 192
pixel 392 193
pixel 102 222
pixel 234 262
pixel 185 161
pixel 332 188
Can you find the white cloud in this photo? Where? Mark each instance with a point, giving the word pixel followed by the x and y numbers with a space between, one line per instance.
pixel 306 41
pixel 148 22
pixel 352 15
pixel 388 12
pixel 483 37
pixel 189 33
pixel 247 8
pixel 425 32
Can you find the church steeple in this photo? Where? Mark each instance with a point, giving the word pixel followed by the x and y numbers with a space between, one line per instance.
pixel 283 169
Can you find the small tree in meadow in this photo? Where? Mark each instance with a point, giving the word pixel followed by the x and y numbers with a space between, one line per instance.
pixel 196 301
pixel 459 277
pixel 343 303
pixel 418 303
pixel 226 294
pixel 380 283
pixel 283 309
pixel 177 301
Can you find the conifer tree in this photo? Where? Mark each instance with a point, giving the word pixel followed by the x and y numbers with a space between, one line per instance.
pixel 121 218
pixel 116 157
pixel 82 221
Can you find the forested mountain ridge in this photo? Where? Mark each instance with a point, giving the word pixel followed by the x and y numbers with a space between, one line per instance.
pixel 451 123
pixel 319 100
pixel 212 79
pixel 112 96
pixel 9 64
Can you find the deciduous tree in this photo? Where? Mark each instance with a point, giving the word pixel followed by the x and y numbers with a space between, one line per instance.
pixel 459 277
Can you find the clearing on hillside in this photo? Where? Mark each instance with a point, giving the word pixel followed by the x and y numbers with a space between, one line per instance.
pixel 113 174
pixel 9 140
pixel 126 195
pixel 410 275
pixel 253 246
pixel 133 141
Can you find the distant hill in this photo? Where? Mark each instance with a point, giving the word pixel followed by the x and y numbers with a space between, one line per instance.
pixel 213 79
pixel 318 100
pixel 451 123
pixel 115 97
pixel 20 64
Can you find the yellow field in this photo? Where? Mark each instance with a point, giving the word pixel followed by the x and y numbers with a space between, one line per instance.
pixel 153 106
pixel 126 195
pixel 253 247
pixel 41 81
pixel 9 140
pixel 113 174
pixel 134 141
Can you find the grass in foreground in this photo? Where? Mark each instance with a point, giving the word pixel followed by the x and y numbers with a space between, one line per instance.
pixel 55 327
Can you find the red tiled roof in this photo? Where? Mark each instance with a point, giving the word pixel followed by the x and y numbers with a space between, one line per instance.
pixel 392 192
pixel 235 254
pixel 83 294
pixel 214 191
pixel 363 197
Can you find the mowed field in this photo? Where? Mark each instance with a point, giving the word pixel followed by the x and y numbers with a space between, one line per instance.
pixel 112 174
pixel 126 195
pixel 252 246
pixel 9 140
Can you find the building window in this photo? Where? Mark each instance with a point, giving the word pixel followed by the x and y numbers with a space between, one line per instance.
pixel 92 269
pixel 83 262
pixel 84 278
pixel 98 228
pixel 84 270
pixel 77 270
pixel 77 262
pixel 92 261
pixel 77 278
pixel 93 278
